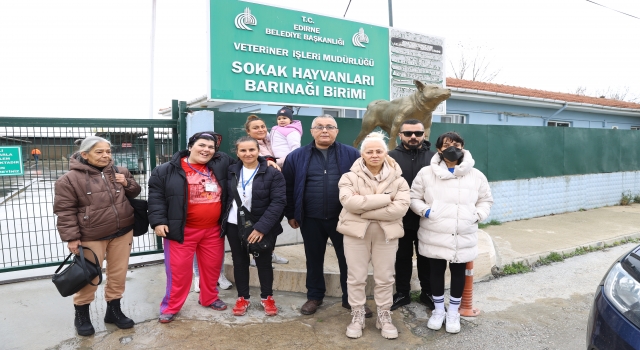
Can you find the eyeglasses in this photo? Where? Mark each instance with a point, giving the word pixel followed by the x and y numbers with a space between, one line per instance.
pixel 328 127
pixel 409 133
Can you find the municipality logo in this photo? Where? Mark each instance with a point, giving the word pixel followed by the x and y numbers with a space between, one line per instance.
pixel 359 38
pixel 244 19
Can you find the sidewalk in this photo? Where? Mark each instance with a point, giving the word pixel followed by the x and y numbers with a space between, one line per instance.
pixel 34 316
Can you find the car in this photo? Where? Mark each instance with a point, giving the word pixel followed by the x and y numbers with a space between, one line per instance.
pixel 614 320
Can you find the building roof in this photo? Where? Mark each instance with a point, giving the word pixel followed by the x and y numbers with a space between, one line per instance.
pixel 541 94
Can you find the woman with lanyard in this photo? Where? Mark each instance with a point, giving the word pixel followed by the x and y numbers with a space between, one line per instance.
pixel 257 129
pixel 186 199
pixel 261 190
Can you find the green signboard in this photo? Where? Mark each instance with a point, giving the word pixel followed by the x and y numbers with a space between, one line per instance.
pixel 11 160
pixel 266 54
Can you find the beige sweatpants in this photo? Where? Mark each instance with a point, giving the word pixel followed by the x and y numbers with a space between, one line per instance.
pixel 117 252
pixel 382 255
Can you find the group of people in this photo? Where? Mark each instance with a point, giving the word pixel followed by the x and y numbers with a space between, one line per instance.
pixel 374 205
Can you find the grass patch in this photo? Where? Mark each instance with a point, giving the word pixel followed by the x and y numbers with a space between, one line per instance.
pixel 516 268
pixel 521 267
pixel 627 198
pixel 415 296
pixel 490 223
pixel 551 258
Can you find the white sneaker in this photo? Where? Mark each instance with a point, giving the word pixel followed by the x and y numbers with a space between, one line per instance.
pixel 278 259
pixel 453 323
pixel 223 282
pixel 196 284
pixel 436 319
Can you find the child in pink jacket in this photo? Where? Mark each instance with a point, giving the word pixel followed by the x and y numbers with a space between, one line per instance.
pixel 286 135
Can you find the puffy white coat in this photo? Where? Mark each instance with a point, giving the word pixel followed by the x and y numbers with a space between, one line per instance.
pixel 457 201
pixel 364 200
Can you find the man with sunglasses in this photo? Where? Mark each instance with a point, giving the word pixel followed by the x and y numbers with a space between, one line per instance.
pixel 412 155
pixel 312 173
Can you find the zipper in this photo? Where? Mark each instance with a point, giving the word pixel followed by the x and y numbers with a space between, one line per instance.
pixel 324 183
pixel 113 206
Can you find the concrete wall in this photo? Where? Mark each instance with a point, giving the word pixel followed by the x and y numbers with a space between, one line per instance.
pixel 530 198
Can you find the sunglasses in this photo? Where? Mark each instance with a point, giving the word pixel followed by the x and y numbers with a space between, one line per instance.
pixel 409 133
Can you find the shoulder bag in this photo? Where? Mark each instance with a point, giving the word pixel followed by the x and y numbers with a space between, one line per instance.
pixel 140 207
pixel 246 220
pixel 78 274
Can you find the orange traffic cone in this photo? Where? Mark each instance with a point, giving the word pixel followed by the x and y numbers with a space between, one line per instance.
pixel 466 304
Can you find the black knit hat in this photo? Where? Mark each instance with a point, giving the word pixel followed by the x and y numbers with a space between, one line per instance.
pixel 285 111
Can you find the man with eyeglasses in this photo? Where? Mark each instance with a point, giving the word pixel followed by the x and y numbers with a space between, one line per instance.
pixel 312 173
pixel 412 155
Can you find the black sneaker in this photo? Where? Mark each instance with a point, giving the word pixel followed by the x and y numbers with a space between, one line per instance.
pixel 427 300
pixel 400 299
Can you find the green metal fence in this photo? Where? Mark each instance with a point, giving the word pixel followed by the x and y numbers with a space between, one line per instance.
pixel 28 235
pixel 517 152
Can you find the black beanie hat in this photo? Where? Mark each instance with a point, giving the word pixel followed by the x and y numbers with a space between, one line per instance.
pixel 285 111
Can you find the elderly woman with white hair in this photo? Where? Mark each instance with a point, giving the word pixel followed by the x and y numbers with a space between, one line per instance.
pixel 94 212
pixel 375 198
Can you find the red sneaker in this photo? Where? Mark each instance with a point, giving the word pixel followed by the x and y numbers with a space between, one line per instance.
pixel 269 305
pixel 241 306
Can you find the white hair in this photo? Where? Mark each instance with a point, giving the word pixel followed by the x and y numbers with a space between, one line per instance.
pixel 89 142
pixel 313 123
pixel 375 136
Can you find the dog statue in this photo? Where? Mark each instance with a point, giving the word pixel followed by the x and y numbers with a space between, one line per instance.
pixel 388 115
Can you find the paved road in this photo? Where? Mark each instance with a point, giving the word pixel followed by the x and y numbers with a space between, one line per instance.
pixel 545 309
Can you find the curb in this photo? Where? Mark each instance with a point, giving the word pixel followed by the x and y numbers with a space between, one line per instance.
pixel 530 260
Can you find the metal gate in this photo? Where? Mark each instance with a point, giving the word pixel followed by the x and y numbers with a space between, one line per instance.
pixel 28 235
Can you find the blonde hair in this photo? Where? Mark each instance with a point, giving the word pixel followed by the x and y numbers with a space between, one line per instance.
pixel 373 137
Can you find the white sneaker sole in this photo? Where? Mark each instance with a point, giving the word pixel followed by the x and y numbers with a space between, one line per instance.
pixel 354 334
pixel 453 331
pixel 434 327
pixel 387 334
pixel 225 286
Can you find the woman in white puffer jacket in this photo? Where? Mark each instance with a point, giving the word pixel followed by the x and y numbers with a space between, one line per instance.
pixel 451 196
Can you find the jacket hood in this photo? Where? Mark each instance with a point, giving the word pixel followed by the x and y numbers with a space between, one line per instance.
pixel 295 125
pixel 426 146
pixel 76 162
pixel 440 167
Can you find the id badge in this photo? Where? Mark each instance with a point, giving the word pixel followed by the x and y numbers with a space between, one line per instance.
pixel 210 187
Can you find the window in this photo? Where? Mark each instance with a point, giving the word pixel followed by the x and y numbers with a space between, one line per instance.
pixel 557 123
pixel 635 128
pixel 453 118
pixel 336 113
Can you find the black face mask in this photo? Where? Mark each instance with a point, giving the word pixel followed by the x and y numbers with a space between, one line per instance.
pixel 452 154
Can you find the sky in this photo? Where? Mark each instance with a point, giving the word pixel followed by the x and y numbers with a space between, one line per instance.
pixel 80 58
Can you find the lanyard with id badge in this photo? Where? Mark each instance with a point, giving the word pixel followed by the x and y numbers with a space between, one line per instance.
pixel 209 185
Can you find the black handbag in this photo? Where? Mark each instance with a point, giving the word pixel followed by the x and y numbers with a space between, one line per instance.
pixel 246 220
pixel 140 206
pixel 78 274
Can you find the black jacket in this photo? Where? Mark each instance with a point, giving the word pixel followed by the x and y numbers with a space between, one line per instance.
pixel 168 192
pixel 411 161
pixel 268 197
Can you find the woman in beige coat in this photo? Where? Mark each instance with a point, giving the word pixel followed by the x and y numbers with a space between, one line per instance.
pixel 451 196
pixel 375 198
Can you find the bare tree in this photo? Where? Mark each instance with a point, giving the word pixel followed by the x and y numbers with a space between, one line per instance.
pixel 474 63
pixel 580 90
pixel 620 94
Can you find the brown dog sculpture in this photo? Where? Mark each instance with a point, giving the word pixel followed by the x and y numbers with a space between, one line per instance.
pixel 388 115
